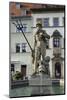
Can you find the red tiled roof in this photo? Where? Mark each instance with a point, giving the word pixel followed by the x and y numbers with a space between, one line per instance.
pixel 14 11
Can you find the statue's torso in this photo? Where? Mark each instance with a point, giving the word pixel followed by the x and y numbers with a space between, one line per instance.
pixel 39 40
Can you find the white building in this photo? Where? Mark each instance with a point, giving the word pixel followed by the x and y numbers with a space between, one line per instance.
pixel 20 51
pixel 52 20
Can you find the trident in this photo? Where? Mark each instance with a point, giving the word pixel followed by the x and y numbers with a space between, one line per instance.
pixel 20 27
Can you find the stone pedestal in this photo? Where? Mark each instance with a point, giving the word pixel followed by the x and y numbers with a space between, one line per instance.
pixel 41 84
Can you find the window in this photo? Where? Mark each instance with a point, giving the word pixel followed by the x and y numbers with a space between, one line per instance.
pixel 17 48
pixel 24 28
pixel 56 42
pixel 17 29
pixel 18 5
pixel 12 67
pixel 46 22
pixel 23 12
pixel 23 47
pixel 28 12
pixel 21 5
pixel 63 21
pixel 55 21
pixel 20 47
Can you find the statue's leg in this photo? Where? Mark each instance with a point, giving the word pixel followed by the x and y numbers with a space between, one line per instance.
pixel 43 51
pixel 37 58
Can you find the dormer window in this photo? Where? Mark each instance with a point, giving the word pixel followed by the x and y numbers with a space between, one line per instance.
pixel 56 42
pixel 56 38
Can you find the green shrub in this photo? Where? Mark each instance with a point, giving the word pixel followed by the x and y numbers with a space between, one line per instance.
pixel 18 75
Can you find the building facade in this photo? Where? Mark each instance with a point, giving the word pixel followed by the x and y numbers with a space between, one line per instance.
pixel 53 23
pixel 52 20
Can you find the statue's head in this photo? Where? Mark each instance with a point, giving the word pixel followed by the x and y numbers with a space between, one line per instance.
pixel 38 25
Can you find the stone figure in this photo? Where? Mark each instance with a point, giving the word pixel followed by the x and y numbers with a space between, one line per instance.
pixel 39 51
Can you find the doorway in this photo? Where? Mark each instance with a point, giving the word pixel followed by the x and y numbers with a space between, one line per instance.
pixel 57 70
pixel 23 70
